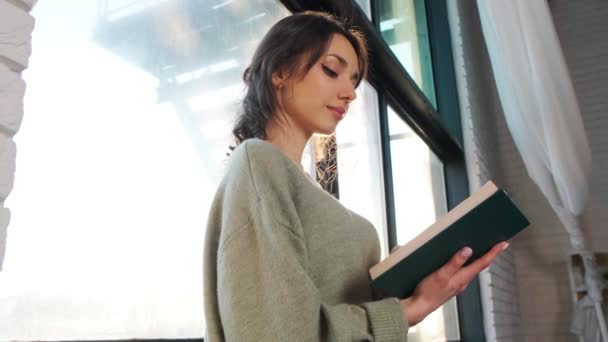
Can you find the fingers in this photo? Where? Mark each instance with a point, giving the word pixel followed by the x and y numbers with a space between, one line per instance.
pixel 485 261
pixel 466 274
pixel 449 269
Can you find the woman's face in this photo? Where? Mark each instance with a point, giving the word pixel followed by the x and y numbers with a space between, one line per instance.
pixel 317 102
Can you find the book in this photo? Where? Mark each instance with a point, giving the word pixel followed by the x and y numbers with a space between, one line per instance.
pixel 484 219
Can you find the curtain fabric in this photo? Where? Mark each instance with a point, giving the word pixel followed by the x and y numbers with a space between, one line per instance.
pixel 542 114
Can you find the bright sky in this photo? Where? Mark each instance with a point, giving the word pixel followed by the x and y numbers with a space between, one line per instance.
pixel 110 198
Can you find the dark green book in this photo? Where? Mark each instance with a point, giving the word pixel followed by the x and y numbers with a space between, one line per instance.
pixel 482 220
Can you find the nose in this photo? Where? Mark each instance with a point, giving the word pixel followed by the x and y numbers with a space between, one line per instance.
pixel 348 93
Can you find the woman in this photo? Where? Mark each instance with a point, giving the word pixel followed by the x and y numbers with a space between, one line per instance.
pixel 285 261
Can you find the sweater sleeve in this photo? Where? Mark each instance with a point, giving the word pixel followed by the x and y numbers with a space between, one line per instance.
pixel 265 293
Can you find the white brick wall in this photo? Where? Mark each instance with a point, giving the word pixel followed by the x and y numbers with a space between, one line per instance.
pixel 478 102
pixel 583 32
pixel 527 292
pixel 16 25
pixel 541 253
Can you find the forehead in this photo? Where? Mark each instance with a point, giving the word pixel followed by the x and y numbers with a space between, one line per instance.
pixel 339 45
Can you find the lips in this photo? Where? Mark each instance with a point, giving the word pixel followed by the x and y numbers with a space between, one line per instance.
pixel 339 112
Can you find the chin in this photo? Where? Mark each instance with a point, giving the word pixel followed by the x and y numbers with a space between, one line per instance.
pixel 326 130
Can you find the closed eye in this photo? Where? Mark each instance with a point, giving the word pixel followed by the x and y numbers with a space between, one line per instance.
pixel 330 72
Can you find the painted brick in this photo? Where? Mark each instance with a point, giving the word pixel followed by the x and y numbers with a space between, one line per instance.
pixel 7 161
pixel 534 280
pixel 12 89
pixel 478 100
pixel 583 33
pixel 16 27
pixel 5 218
pixel 27 4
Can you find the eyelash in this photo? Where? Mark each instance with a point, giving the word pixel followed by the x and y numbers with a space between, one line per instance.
pixel 330 72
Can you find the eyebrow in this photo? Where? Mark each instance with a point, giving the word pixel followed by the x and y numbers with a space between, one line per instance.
pixel 344 63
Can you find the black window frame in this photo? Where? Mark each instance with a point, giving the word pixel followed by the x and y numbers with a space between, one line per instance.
pixel 439 128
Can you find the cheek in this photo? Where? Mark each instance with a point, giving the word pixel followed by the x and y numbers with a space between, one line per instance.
pixel 319 89
pixel 309 95
pixel 302 105
pixel 316 81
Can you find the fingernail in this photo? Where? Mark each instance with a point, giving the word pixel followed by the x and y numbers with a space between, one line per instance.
pixel 505 245
pixel 466 252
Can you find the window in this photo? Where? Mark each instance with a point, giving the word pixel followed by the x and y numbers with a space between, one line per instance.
pixel 127 119
pixel 419 193
pixel 418 180
pixel 403 26
pixel 365 6
pixel 359 161
pixel 124 95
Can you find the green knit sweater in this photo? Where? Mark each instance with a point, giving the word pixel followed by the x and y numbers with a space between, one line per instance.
pixel 285 261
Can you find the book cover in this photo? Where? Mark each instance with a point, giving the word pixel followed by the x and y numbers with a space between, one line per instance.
pixel 485 218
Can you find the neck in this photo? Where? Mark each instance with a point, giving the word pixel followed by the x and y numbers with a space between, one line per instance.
pixel 287 138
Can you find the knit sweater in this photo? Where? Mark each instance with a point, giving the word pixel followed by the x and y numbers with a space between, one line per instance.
pixel 285 261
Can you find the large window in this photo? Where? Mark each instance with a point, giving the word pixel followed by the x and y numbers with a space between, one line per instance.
pixel 419 192
pixel 418 180
pixel 403 24
pixel 127 122
pixel 419 189
pixel 359 161
pixel 128 115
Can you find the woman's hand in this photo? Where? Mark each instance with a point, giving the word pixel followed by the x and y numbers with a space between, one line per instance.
pixel 450 280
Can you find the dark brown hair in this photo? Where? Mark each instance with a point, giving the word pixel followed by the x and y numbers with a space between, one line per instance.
pixel 284 47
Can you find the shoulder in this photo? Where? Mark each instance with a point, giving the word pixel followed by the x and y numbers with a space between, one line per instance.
pixel 258 171
pixel 265 166
pixel 260 152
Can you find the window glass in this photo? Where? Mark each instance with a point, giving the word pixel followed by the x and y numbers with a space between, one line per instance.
pixel 403 26
pixel 128 114
pixel 360 175
pixel 365 6
pixel 419 192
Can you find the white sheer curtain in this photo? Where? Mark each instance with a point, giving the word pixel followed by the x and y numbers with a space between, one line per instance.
pixel 542 112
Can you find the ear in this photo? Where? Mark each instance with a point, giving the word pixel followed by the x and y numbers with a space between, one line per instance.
pixel 278 78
